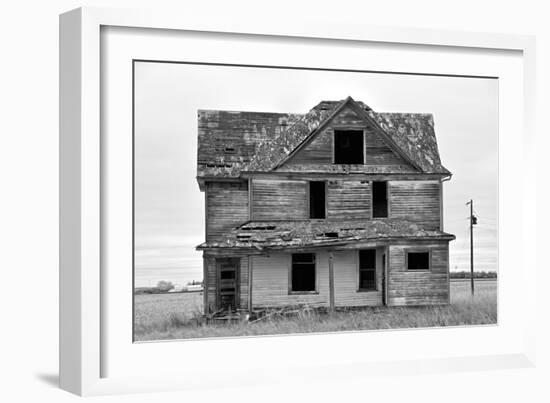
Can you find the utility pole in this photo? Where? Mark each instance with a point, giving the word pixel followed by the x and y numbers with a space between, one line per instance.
pixel 473 221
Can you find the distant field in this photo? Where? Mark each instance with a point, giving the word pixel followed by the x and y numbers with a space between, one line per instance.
pixel 171 316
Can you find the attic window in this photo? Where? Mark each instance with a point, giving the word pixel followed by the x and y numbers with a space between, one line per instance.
pixel 229 150
pixel 348 147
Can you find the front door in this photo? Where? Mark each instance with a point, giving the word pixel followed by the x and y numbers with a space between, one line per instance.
pixel 228 283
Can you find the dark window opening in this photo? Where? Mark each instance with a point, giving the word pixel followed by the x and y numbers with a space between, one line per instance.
pixel 348 147
pixel 379 199
pixel 229 150
pixel 331 234
pixel 317 199
pixel 303 272
pixel 227 275
pixel 418 261
pixel 367 270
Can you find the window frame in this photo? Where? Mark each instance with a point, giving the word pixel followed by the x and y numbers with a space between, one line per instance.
pixel 358 256
pixel 418 250
pixel 343 129
pixel 290 268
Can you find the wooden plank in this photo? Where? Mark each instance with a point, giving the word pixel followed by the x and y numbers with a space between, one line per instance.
pixel 416 201
pixel 205 285
pixel 408 287
pixel 279 199
pixel 226 206
pixel 348 199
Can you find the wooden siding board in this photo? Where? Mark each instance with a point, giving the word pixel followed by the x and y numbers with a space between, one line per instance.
pixel 271 279
pixel 416 201
pixel 227 207
pixel 346 281
pixel 418 287
pixel 348 199
pixel 279 199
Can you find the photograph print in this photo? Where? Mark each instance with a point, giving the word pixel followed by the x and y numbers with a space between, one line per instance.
pixel 273 201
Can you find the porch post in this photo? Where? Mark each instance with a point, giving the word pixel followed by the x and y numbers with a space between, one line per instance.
pixel 249 283
pixel 205 283
pixel 386 280
pixel 331 279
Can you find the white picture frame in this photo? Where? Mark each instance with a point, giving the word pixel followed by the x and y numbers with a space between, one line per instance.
pixel 83 301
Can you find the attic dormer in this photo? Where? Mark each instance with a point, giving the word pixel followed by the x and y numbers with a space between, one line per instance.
pixel 349 141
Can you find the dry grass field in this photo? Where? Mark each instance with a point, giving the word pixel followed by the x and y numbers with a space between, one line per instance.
pixel 173 316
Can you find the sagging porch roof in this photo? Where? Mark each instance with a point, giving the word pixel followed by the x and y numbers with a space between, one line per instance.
pixel 263 235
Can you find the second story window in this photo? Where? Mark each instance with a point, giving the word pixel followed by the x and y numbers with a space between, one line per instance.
pixel 348 147
pixel 379 199
pixel 317 199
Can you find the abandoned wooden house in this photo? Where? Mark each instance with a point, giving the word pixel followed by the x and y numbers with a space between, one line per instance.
pixel 338 207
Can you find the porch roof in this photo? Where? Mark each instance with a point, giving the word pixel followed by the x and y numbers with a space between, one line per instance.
pixel 308 233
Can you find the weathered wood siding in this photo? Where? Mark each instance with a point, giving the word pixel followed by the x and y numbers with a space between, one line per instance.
pixel 419 287
pixel 270 281
pixel 346 280
pixel 416 201
pixel 270 284
pixel 347 118
pixel 279 200
pixel 226 207
pixel 348 199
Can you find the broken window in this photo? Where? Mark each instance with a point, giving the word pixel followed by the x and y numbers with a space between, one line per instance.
pixel 379 199
pixel 348 147
pixel 418 260
pixel 303 272
pixel 317 197
pixel 367 270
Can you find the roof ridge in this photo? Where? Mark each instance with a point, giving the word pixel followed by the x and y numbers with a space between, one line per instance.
pixel 248 111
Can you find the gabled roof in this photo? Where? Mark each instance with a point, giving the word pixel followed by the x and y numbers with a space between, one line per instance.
pixel 311 233
pixel 261 142
pixel 361 109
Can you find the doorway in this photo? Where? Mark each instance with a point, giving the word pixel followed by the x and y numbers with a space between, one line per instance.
pixel 228 283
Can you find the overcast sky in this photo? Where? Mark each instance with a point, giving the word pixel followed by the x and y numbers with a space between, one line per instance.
pixel 169 208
